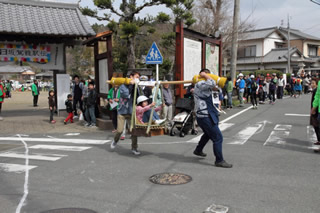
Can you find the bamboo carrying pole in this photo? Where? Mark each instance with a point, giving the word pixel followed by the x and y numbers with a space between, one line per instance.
pixel 166 82
pixel 152 111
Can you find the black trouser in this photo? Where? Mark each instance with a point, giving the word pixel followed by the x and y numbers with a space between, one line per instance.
pixel 262 97
pixel 253 97
pixel 51 115
pixel 272 95
pixel 280 92
pixel 35 100
pixel 114 114
pixel 248 94
pixel 0 107
pixel 317 131
pixel 75 101
pixel 306 89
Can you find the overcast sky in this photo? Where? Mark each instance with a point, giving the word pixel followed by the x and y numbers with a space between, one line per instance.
pixel 304 15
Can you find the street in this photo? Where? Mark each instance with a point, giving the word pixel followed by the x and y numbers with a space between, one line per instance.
pixel 275 168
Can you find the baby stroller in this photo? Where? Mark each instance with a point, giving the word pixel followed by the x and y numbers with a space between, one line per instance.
pixel 183 121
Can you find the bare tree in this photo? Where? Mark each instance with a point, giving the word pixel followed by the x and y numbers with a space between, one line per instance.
pixel 215 15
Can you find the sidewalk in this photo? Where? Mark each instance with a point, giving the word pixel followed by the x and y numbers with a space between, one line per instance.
pixel 20 117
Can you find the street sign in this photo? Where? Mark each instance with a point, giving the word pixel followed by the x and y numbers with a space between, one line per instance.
pixel 154 56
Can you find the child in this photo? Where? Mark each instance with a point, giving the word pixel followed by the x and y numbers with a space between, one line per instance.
pixel 114 96
pixel 143 111
pixel 2 95
pixel 69 109
pixel 52 105
pixel 91 104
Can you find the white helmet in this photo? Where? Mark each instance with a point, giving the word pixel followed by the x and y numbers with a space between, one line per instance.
pixel 240 75
pixel 252 76
pixel 141 98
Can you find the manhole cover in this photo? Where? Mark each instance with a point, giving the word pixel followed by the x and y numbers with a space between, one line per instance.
pixel 69 210
pixel 170 178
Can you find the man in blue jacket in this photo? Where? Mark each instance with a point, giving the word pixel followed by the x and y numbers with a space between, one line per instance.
pixel 242 85
pixel 125 111
pixel 208 119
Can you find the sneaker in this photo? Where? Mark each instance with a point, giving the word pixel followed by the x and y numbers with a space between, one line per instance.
pixel 223 164
pixel 256 107
pixel 65 123
pixel 86 124
pixel 201 154
pixel 93 126
pixel 113 144
pixel 53 121
pixel 122 137
pixel 113 131
pixel 317 143
pixel 160 121
pixel 76 116
pixel 135 152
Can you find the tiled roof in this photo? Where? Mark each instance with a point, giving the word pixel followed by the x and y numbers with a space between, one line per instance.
pixel 43 18
pixel 257 34
pixel 274 56
pixel 297 34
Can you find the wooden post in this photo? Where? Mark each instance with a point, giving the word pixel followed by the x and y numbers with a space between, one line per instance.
pixel 179 58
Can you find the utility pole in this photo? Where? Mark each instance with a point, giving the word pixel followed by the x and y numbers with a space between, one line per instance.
pixel 289 57
pixel 234 47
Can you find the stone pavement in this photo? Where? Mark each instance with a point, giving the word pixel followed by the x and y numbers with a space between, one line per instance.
pixel 20 117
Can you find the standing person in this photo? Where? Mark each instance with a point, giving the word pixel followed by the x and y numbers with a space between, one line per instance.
pixel 125 111
pixel 168 100
pixel 272 89
pixel 248 88
pixel 91 104
pixel 254 91
pixel 314 114
pixel 292 83
pixel 68 104
pixel 52 105
pixel 208 119
pixel 8 88
pixel 77 94
pixel 297 87
pixel 35 92
pixel 2 95
pixel 114 96
pixel 261 91
pixel 229 91
pixel 280 87
pixel 242 85
pixel 306 83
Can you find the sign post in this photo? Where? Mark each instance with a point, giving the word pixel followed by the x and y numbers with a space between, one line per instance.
pixel 154 57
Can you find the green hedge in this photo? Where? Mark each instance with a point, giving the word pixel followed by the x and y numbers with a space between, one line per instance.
pixel 262 72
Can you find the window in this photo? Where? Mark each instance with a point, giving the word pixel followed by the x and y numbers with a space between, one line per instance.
pixel 278 45
pixel 313 50
pixel 250 51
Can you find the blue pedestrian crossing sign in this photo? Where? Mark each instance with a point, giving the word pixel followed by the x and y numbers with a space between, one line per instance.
pixel 154 56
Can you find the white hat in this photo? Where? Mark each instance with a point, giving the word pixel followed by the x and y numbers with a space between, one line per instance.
pixel 252 76
pixel 144 78
pixel 240 75
pixel 292 74
pixel 141 98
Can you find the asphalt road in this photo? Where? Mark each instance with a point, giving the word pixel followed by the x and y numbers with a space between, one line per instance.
pixel 275 169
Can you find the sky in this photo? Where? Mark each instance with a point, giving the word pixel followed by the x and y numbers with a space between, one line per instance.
pixel 304 14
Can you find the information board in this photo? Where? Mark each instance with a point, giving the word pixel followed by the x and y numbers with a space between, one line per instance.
pixel 103 76
pixel 191 58
pixel 63 89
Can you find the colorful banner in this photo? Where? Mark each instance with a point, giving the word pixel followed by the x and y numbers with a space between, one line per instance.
pixel 28 53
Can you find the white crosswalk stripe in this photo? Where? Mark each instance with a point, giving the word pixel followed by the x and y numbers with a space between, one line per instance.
pixel 15 168
pixel 312 137
pixel 56 140
pixel 222 126
pixel 243 136
pixel 279 135
pixel 43 157
pixel 61 148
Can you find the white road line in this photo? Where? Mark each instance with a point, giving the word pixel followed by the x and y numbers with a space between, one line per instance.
pixel 26 178
pixel 57 140
pixel 72 134
pixel 235 115
pixel 298 115
pixel 277 137
pixel 44 157
pixel 61 148
pixel 243 136
pixel 15 168
pixel 222 126
pixel 282 127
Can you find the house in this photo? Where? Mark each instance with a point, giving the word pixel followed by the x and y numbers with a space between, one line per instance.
pixel 266 49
